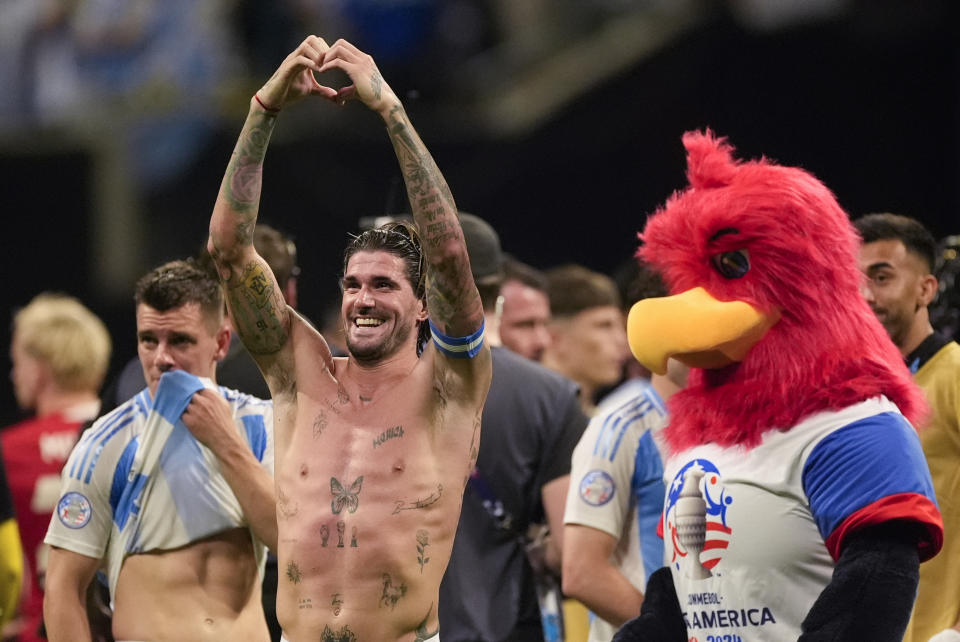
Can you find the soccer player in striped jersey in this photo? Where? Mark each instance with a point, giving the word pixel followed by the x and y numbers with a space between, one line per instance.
pixel 170 493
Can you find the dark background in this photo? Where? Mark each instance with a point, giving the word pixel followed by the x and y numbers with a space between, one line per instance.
pixel 868 101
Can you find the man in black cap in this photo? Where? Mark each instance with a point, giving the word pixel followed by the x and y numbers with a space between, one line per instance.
pixel 530 425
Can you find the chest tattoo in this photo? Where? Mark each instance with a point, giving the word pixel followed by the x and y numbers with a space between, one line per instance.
pixel 343 635
pixel 319 424
pixel 390 433
pixel 424 502
pixel 345 497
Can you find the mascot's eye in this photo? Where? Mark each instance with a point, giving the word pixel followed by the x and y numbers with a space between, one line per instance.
pixel 732 265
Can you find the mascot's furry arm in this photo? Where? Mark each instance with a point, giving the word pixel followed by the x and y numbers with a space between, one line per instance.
pixel 660 615
pixel 876 567
pixel 879 565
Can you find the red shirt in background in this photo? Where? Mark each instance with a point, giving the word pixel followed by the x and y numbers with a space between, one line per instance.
pixel 34 451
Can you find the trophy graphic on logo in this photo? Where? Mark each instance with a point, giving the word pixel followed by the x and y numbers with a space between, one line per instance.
pixel 691 520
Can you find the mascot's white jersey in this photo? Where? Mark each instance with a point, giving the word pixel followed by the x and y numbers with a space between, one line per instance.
pixel 138 481
pixel 751 535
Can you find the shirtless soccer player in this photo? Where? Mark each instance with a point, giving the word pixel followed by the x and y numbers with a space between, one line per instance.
pixel 373 450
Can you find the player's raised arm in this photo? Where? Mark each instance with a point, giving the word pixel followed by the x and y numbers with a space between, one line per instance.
pixel 256 303
pixel 452 299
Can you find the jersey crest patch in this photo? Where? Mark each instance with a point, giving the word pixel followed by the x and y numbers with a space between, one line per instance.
pixel 597 487
pixel 74 510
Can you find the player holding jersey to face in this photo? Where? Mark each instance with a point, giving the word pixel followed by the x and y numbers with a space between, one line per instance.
pixel 170 493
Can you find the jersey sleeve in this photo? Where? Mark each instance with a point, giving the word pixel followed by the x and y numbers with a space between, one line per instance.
pixel 869 472
pixel 256 416
pixel 616 452
pixel 83 518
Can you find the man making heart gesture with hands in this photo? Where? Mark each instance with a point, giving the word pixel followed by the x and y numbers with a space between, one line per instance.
pixel 373 450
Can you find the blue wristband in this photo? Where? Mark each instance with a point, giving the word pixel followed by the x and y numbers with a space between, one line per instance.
pixel 458 347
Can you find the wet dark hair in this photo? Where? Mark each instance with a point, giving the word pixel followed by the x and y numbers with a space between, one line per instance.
pixel 402 239
pixel 178 283
pixel 915 237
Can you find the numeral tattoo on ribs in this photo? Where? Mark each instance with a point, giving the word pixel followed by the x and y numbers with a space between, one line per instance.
pixel 390 433
pixel 293 573
pixel 343 635
pixel 391 594
pixel 423 541
pixel 422 634
pixel 336 602
pixel 319 424
pixel 345 497
pixel 305 603
pixel 429 500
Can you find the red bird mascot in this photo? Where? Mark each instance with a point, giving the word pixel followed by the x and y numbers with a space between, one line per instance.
pixel 799 504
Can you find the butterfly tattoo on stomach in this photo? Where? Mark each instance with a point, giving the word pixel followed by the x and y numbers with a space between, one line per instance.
pixel 345 497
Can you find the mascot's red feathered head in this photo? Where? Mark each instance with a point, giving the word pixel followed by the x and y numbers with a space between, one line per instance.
pixel 767 310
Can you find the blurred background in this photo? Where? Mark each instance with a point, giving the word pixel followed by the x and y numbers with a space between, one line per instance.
pixel 558 121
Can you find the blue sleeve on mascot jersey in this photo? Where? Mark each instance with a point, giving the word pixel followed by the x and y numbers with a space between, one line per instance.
pixel 870 471
pixel 458 347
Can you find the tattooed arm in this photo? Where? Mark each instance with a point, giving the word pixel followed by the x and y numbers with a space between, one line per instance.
pixel 452 299
pixel 256 303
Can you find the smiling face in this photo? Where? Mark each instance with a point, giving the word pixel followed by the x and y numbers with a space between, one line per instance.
pixel 379 310
pixel 898 287
pixel 181 338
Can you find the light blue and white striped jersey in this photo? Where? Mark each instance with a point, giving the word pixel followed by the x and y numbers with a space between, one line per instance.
pixel 138 481
pixel 616 484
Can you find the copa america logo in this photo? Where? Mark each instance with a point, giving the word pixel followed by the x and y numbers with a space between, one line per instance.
pixel 597 487
pixel 696 518
pixel 74 510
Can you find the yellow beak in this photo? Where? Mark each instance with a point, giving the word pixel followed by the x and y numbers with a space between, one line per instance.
pixel 694 328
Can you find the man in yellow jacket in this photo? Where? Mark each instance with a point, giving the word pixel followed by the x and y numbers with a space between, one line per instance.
pixel 897 259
